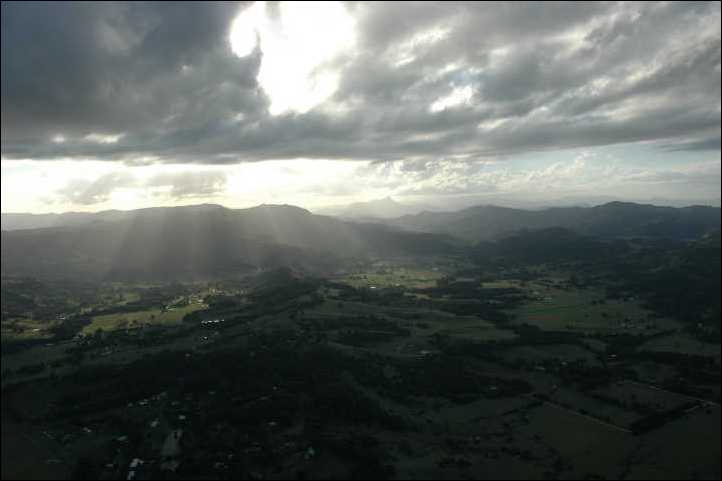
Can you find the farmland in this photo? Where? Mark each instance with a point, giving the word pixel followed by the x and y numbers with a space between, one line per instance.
pixel 393 277
pixel 151 317
pixel 436 373
pixel 587 311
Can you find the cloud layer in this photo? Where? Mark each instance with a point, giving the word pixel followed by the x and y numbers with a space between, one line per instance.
pixel 420 82
pixel 179 185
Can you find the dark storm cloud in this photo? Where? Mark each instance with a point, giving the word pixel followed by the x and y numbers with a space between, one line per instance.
pixel 148 69
pixel 541 76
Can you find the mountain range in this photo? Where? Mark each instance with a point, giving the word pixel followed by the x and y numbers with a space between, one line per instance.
pixel 386 208
pixel 610 220
pixel 207 241
pixel 200 242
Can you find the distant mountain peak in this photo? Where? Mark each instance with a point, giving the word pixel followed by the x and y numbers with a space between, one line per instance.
pixel 281 207
pixel 382 208
pixel 610 220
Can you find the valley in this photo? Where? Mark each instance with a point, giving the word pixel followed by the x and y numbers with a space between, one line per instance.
pixel 444 366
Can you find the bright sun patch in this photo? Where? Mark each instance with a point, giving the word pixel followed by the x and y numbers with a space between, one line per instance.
pixel 458 97
pixel 298 41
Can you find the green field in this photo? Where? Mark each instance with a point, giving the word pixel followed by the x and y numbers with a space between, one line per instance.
pixel 126 320
pixel 551 352
pixel 424 322
pixel 465 327
pixel 682 343
pixel 26 329
pixel 394 277
pixel 38 354
pixel 579 310
pixel 589 406
pixel 594 448
pixel 693 438
pixel 502 284
pixel 629 393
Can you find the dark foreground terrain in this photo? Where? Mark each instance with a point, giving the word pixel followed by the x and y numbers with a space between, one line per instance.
pixel 546 354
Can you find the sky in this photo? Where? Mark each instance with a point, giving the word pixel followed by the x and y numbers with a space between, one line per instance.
pixel 127 105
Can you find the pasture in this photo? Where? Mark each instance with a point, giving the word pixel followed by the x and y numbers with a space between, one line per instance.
pixel 130 320
pixel 393 277
pixel 586 311
pixel 682 343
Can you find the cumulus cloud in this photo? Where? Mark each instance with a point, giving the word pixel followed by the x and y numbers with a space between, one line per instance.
pixel 586 172
pixel 182 185
pixel 427 80
pixel 86 192
pixel 176 185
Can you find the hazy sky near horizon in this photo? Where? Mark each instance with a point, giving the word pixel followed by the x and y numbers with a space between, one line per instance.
pixel 128 105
